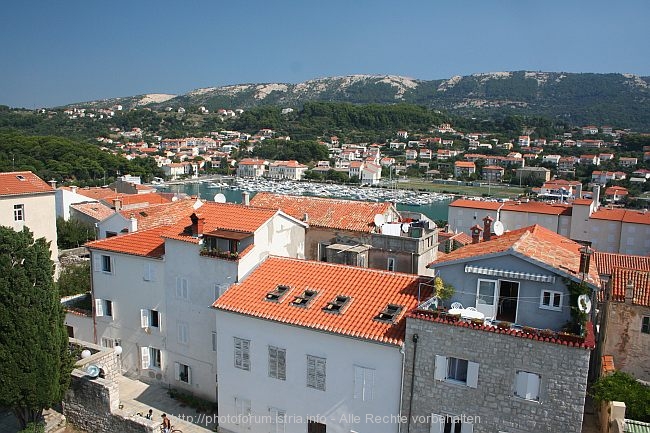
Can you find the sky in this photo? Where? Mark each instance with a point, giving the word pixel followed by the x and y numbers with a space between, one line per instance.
pixel 60 52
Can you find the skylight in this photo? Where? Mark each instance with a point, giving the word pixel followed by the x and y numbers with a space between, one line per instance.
pixel 20 177
pixel 337 305
pixel 389 313
pixel 277 294
pixel 304 299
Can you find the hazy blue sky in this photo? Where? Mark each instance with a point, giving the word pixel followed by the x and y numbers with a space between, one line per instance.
pixel 59 52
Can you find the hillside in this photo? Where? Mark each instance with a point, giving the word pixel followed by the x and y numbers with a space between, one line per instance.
pixel 621 100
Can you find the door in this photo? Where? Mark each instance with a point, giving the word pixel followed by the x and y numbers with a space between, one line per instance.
pixel 508 299
pixel 315 427
pixel 486 298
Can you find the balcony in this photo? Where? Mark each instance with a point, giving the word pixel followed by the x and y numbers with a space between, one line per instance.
pixel 218 254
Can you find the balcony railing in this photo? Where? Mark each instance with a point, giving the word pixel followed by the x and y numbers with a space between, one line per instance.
pixel 217 254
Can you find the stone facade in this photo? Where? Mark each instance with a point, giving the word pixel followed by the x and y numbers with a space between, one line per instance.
pixel 493 404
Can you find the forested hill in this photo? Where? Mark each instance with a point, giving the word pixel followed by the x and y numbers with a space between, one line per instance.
pixel 620 100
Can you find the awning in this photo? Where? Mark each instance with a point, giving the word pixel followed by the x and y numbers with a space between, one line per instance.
pixel 509 274
pixel 228 234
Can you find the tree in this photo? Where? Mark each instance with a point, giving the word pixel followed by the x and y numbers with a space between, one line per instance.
pixel 73 233
pixel 74 279
pixel 620 386
pixel 35 363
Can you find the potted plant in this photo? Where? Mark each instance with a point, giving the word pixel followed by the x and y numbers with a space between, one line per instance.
pixel 443 291
pixel 504 325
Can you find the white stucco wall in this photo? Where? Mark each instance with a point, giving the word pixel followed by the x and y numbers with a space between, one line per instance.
pixel 65 198
pixel 82 326
pixel 336 404
pixel 635 239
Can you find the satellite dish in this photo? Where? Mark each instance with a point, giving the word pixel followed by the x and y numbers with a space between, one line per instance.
pixel 174 198
pixel 93 371
pixel 379 220
pixel 584 304
pixel 219 198
pixel 498 228
pixel 405 227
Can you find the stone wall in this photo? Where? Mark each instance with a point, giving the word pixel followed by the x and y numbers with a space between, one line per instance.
pixel 625 341
pixel 563 371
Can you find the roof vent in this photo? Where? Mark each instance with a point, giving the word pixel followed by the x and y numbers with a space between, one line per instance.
pixel 337 305
pixel 278 293
pixel 304 299
pixel 389 314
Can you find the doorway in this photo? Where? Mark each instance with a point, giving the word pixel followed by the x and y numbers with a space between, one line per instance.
pixel 315 427
pixel 508 297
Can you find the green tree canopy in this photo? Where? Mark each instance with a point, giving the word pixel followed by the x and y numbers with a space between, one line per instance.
pixel 35 363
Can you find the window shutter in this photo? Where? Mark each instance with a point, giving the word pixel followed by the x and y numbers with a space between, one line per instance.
pixel 246 358
pixel 440 369
pixel 358 382
pixel 145 358
pixel 311 372
pixel 369 384
pixel 532 389
pixel 99 307
pixel 144 318
pixel 189 375
pixel 273 362
pixel 179 292
pixel 238 353
pixel 472 374
pixel 177 371
pixel 214 341
pixel 466 428
pixel 437 423
pixel 521 383
pixel 97 262
pixel 282 364
pixel 320 374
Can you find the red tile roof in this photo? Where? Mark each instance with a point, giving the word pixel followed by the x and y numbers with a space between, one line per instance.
pixel 607 262
pixel 132 199
pixel 146 243
pixel 476 204
pixel 95 210
pixel 223 216
pixel 22 182
pixel 583 201
pixel 641 281
pixel 370 291
pixel 160 214
pixel 464 164
pixel 624 215
pixel 325 212
pixel 535 242
pixel 96 193
pixel 537 207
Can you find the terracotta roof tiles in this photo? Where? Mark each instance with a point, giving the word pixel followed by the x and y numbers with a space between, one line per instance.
pixel 370 291
pixel 607 262
pixel 476 204
pixel 22 182
pixel 160 214
pixel 95 210
pixel 146 243
pixel 325 212
pixel 624 215
pixel 641 281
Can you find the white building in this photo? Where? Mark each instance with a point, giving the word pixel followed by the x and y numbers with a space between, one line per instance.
pixel 251 168
pixel 314 347
pixel 27 201
pixel 287 170
pixel 152 289
pixel 66 196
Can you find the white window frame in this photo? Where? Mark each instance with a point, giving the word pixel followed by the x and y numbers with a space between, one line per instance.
pixel 527 385
pixel 316 372
pixel 183 333
pixel 19 212
pixel 242 353
pixel 552 296
pixel 243 412
pixel 146 319
pixel 390 264
pixel 103 307
pixel 364 383
pixel 148 354
pixel 440 372
pixel 108 342
pixel 149 272
pixel 278 420
pixel 277 363
pixel 182 288
pixel 177 372
pixel 438 422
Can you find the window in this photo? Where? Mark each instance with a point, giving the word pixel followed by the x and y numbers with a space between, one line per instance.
pixel 456 370
pixel 243 412
pixel 242 354
pixel 103 308
pixel 214 341
pixel 149 318
pixel 305 299
pixel 183 373
pixel 361 260
pixel 337 305
pixel 277 294
pixel 316 370
pixel 150 357
pixel 527 385
pixel 277 363
pixel 277 420
pixel 364 383
pixel 389 314
pixel 19 212
pixel 182 288
pixel 183 332
pixel 551 300
pixel 110 234
pixel 108 342
pixel 106 264
pixel 391 264
pixel 645 325
pixel 149 272
pixel 449 424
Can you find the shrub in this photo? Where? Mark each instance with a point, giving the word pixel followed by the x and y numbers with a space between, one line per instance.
pixel 620 386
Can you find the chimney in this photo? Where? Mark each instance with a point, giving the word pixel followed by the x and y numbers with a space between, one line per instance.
pixel 134 224
pixel 487 228
pixel 578 193
pixel 629 291
pixel 73 188
pixel 246 198
pixel 198 223
pixel 305 217
pixel 117 204
pixel 585 258
pixel 53 184
pixel 596 196
pixel 476 234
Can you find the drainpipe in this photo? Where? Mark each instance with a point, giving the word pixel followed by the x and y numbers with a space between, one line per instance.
pixel 402 350
pixel 415 351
